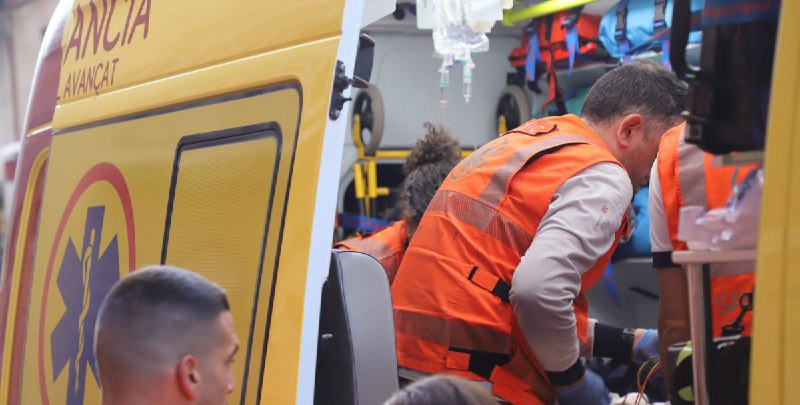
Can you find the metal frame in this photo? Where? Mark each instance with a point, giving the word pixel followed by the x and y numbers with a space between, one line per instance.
pixel 697 280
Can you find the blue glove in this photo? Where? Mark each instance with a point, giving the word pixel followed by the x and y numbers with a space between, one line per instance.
pixel 647 345
pixel 589 391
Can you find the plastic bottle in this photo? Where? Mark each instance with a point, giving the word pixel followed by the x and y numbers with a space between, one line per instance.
pixel 467 78
pixel 454 39
pixel 444 78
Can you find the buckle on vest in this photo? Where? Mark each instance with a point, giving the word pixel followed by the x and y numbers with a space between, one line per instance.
pixel 479 362
pixel 512 377
pixel 491 283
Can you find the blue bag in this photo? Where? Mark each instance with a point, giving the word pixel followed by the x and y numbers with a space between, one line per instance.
pixel 645 27
pixel 638 245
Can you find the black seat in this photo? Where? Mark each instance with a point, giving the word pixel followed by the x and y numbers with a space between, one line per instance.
pixel 357 359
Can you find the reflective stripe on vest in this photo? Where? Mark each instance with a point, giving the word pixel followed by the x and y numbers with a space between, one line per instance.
pixel 483 217
pixel 692 175
pixel 460 334
pixel 482 351
pixel 498 186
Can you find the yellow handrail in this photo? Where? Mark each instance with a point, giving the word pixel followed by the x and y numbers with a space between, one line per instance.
pixel 511 17
pixel 502 126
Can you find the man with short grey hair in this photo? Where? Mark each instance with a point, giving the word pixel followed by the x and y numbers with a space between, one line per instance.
pixel 165 335
pixel 492 286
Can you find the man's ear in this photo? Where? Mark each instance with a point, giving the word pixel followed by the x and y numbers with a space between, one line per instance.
pixel 628 126
pixel 188 376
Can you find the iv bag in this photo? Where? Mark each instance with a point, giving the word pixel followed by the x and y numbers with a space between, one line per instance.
pixel 452 34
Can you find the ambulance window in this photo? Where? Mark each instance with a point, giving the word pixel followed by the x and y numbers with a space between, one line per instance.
pixel 217 225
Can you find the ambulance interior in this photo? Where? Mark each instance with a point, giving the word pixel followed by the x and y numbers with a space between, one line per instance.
pixel 404 93
pixel 387 118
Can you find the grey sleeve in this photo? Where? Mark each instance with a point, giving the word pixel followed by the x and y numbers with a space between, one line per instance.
pixel 577 229
pixel 659 232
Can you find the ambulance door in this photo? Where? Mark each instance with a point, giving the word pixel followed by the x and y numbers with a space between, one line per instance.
pixel 197 134
pixel 776 328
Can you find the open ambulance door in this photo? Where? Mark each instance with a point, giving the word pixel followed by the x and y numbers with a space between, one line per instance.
pixel 192 133
pixel 776 333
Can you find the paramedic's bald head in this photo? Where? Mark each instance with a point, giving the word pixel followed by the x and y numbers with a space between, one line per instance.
pixel 169 330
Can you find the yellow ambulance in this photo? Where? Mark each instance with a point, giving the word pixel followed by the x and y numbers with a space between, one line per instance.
pixel 197 133
pixel 208 134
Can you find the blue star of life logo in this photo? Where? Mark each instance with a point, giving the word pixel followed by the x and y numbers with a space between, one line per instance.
pixel 85 277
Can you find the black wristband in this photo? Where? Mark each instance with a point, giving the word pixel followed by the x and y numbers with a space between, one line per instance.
pixel 663 260
pixel 613 342
pixel 567 377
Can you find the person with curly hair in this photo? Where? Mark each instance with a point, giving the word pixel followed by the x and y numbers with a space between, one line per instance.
pixel 429 162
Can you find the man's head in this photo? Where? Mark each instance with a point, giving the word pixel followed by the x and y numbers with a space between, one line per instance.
pixel 165 334
pixel 630 107
pixel 442 389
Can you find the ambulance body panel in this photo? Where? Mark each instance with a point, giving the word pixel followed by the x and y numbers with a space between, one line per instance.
pixel 187 133
pixel 198 134
pixel 776 328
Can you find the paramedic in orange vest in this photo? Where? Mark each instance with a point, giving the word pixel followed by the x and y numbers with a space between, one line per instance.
pixel 492 286
pixel 683 176
pixel 429 162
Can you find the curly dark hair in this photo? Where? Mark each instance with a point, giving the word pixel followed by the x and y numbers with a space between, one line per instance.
pixel 436 146
pixel 429 163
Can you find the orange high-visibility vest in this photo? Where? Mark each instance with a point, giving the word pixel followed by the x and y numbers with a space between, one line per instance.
pixel 387 246
pixel 452 310
pixel 688 178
